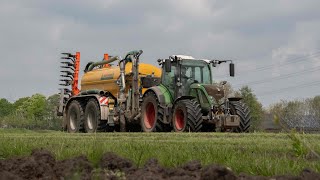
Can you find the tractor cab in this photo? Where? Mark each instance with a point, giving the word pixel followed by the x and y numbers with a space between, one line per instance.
pixel 181 74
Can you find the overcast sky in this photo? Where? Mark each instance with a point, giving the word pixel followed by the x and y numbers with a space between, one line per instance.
pixel 267 39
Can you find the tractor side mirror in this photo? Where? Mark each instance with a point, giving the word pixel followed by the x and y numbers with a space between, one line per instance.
pixel 231 68
pixel 167 65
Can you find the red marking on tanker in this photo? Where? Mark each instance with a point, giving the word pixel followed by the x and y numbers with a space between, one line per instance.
pixel 104 100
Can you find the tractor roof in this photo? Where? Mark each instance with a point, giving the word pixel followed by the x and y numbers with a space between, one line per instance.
pixel 183 56
pixel 190 57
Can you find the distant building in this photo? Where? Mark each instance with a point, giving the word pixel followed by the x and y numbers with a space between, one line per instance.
pixel 301 123
pixel 304 123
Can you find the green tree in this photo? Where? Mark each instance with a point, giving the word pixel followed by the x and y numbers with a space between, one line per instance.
pixel 315 107
pixel 254 105
pixel 34 106
pixel 35 112
pixel 278 108
pixel 6 107
pixel 53 102
pixel 32 112
pixel 293 113
pixel 19 102
pixel 53 121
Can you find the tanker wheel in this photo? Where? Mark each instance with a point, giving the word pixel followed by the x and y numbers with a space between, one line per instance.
pixel 187 116
pixel 241 109
pixel 75 117
pixel 92 120
pixel 152 115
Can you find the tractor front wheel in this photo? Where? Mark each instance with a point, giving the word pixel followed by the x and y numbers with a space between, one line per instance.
pixel 187 116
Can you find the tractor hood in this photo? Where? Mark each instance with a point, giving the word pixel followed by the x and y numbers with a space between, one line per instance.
pixel 214 90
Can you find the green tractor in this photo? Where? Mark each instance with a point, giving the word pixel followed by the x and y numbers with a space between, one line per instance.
pixel 188 100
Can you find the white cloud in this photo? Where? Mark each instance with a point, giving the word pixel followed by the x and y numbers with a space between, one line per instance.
pixel 303 45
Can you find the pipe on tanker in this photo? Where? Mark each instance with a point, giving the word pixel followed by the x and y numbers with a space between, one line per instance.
pixel 132 56
pixel 135 87
pixel 115 58
pixel 122 66
pixel 122 96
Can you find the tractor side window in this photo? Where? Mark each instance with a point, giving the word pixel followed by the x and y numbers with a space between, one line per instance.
pixel 207 78
pixel 197 75
pixel 188 72
pixel 186 79
pixel 168 79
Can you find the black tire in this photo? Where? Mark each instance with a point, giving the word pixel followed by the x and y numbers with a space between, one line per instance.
pixel 152 115
pixel 241 109
pixel 187 116
pixel 75 117
pixel 64 126
pixel 92 118
pixel 161 127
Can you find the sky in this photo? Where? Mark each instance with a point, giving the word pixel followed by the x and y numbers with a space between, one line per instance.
pixel 275 44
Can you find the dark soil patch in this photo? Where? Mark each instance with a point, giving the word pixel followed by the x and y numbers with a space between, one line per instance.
pixel 42 165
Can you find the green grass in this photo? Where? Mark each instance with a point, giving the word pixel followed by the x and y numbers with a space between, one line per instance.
pixel 258 153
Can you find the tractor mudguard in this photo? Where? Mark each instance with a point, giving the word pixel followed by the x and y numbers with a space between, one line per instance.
pixel 162 94
pixel 164 99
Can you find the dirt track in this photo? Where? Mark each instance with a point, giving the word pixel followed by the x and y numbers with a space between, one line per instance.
pixel 42 165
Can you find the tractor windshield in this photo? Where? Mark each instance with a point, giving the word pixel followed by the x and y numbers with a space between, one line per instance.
pixel 196 70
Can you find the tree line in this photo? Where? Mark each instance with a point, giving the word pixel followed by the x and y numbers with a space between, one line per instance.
pixel 35 112
pixel 39 111
pixel 301 114
pixel 298 114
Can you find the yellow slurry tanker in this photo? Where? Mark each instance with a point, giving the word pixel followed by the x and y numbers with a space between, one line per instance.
pixel 133 96
pixel 109 96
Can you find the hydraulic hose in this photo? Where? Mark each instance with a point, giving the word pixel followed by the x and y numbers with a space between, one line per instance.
pixel 135 53
pixel 115 58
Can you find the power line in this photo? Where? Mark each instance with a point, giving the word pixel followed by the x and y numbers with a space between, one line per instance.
pixel 290 88
pixel 294 60
pixel 317 68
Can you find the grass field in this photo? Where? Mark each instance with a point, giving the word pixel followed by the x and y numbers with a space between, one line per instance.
pixel 256 154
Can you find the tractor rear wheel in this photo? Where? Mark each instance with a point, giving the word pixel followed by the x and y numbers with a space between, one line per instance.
pixel 75 117
pixel 92 120
pixel 187 116
pixel 241 109
pixel 152 114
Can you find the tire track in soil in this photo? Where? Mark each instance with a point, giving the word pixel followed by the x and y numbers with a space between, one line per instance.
pixel 41 164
